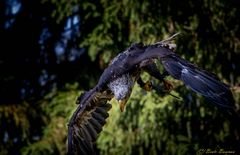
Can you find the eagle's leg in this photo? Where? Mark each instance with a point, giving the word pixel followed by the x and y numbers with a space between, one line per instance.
pixel 153 71
pixel 145 85
pixel 167 85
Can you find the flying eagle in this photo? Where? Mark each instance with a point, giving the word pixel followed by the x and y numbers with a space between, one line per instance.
pixel 117 82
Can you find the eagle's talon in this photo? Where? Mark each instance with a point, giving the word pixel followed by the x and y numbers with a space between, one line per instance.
pixel 167 85
pixel 148 86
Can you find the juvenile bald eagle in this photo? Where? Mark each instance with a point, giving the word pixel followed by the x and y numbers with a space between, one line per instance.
pixel 118 79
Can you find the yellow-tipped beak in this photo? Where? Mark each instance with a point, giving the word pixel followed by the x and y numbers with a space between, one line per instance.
pixel 122 104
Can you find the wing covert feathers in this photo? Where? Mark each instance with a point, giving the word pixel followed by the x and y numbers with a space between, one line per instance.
pixel 86 123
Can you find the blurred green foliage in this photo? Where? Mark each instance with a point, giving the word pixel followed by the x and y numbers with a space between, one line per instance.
pixel 151 123
pixel 57 108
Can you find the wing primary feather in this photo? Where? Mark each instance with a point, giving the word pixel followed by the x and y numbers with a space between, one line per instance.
pixel 102 112
pixel 106 106
pixel 91 131
pixel 70 141
pixel 80 150
pixel 86 134
pixel 83 147
pixel 99 117
pixel 96 124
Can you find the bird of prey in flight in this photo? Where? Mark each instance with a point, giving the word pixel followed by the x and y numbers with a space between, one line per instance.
pixel 117 82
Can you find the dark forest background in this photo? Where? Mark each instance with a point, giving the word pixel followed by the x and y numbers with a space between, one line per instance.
pixel 51 51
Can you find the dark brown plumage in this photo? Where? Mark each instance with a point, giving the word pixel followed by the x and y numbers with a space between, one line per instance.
pixel 118 79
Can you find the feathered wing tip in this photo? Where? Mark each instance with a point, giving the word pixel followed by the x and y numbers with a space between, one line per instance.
pixel 199 81
pixel 168 40
pixel 88 123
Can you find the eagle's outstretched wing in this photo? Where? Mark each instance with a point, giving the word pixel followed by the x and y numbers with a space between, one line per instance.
pixel 200 81
pixel 87 121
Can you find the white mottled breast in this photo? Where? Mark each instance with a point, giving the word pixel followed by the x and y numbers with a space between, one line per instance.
pixel 122 86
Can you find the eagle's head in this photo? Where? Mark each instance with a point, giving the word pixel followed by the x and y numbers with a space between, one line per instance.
pixel 122 88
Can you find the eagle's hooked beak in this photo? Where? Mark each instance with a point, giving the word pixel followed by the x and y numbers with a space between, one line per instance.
pixel 123 101
pixel 122 104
